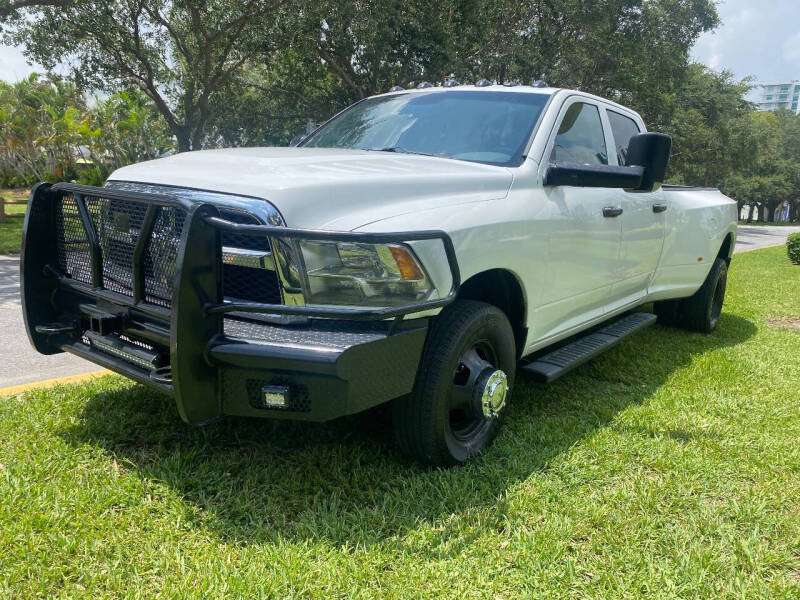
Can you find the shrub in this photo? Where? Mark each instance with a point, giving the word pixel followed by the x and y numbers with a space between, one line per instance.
pixel 793 248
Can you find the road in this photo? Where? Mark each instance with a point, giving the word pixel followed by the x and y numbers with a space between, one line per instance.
pixel 758 236
pixel 21 364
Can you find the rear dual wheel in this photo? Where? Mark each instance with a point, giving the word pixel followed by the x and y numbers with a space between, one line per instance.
pixel 462 388
pixel 701 311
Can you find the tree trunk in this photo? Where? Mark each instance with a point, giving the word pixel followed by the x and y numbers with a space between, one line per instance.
pixel 197 135
pixel 184 140
pixel 750 212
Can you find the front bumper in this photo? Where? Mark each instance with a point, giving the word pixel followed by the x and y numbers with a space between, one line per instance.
pixel 216 357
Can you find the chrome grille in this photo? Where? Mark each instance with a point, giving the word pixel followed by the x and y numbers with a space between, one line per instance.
pixel 248 271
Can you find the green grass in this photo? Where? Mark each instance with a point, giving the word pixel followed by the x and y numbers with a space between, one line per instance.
pixel 670 467
pixel 768 224
pixel 11 231
pixel 11 236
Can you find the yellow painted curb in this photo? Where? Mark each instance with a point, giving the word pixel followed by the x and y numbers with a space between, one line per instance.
pixel 24 387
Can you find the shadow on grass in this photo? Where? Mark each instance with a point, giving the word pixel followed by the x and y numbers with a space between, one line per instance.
pixel 344 482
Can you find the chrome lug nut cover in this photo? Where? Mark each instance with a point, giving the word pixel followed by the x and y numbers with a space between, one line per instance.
pixel 493 396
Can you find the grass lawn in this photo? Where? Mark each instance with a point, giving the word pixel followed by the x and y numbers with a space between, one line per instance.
pixel 769 224
pixel 670 467
pixel 11 236
pixel 11 230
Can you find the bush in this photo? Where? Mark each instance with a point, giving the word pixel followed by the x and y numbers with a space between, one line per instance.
pixel 793 248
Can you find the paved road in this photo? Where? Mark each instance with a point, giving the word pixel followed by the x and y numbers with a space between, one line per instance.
pixel 757 236
pixel 19 363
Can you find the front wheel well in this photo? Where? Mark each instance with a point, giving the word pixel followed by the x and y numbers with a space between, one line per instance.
pixel 502 289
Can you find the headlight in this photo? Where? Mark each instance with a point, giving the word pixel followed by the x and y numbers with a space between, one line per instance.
pixel 362 274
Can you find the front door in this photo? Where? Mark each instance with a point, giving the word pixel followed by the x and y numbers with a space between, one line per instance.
pixel 584 233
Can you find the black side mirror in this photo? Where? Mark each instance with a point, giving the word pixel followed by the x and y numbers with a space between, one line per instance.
pixel 651 151
pixel 580 175
pixel 645 167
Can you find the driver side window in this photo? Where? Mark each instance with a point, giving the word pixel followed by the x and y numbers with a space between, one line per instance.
pixel 580 137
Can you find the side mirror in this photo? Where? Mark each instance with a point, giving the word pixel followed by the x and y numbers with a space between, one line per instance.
pixel 297 140
pixel 645 168
pixel 651 151
pixel 580 175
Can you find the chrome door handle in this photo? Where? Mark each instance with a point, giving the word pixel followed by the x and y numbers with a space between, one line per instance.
pixel 659 208
pixel 611 211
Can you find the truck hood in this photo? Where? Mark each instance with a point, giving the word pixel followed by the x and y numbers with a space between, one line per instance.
pixel 322 188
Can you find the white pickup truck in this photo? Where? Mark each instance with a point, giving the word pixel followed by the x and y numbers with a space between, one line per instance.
pixel 420 248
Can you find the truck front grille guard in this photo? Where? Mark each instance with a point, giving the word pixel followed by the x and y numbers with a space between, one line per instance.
pixel 58 307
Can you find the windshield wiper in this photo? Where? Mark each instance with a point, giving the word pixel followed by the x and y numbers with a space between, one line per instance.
pixel 398 149
pixel 401 150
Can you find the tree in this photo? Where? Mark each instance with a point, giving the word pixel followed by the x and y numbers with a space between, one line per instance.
pixel 38 137
pixel 712 133
pixel 769 175
pixel 9 8
pixel 367 46
pixel 179 53
pixel 49 132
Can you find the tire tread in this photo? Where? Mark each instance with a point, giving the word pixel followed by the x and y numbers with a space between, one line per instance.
pixel 413 415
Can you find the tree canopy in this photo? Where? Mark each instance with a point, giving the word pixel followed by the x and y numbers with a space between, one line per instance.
pixel 178 53
pixel 48 131
pixel 258 72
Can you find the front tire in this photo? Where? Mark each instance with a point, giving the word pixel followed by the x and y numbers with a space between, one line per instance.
pixel 462 386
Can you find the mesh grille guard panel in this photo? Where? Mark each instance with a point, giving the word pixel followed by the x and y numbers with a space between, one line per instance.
pixel 161 256
pixel 118 226
pixel 71 241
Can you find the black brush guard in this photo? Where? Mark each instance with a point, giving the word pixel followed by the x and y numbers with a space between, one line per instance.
pixel 187 345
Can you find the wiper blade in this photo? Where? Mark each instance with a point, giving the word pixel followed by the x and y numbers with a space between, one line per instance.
pixel 401 150
pixel 398 149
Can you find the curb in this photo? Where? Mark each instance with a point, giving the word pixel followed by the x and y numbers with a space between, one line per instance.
pixel 24 387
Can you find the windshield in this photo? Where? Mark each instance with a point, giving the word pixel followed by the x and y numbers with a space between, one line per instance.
pixel 488 127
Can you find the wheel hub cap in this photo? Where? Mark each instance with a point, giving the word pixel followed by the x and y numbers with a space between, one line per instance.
pixel 492 390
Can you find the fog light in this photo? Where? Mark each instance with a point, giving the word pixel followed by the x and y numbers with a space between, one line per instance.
pixel 275 396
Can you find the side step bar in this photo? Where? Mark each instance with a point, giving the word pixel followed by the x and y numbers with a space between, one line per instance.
pixel 551 366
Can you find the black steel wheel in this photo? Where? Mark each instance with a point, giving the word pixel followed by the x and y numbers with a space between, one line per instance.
pixel 701 311
pixel 462 387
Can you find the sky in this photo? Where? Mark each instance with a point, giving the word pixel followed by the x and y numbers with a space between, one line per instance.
pixel 758 38
pixel 12 64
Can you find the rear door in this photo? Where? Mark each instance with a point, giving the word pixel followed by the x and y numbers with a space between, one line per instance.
pixel 642 221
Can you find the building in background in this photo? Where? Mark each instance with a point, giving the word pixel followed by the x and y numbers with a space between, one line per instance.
pixel 779 95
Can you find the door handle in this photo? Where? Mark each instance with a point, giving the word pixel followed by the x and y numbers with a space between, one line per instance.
pixel 659 208
pixel 611 211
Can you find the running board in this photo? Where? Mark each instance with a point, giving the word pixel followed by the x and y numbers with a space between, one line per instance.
pixel 551 366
